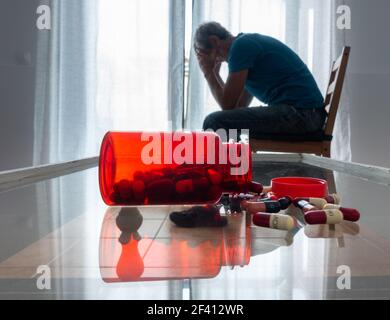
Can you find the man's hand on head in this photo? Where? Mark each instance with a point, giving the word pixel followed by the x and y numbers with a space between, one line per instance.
pixel 208 62
pixel 229 94
pixel 217 67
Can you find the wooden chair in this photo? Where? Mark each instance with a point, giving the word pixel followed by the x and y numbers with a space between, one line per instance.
pixel 318 143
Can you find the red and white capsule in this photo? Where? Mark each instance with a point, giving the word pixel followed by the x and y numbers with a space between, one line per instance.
pixel 330 216
pixel 304 205
pixel 274 221
pixel 333 198
pixel 348 213
pixel 317 202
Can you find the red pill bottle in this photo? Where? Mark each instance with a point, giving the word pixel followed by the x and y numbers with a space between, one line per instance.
pixel 156 168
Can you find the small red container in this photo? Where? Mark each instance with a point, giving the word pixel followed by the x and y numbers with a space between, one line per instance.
pixel 295 187
pixel 157 168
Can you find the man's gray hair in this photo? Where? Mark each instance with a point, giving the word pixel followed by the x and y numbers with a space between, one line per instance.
pixel 208 29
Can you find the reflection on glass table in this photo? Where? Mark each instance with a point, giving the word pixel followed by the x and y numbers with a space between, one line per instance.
pixel 175 253
pixel 127 254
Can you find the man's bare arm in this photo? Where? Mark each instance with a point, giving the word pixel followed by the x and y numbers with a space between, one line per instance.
pixel 245 100
pixel 228 96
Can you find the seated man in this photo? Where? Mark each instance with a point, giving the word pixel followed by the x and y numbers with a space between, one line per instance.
pixel 261 67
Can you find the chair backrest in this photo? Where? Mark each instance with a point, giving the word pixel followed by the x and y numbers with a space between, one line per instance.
pixel 335 88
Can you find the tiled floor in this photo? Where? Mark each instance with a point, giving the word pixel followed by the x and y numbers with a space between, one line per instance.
pixel 92 251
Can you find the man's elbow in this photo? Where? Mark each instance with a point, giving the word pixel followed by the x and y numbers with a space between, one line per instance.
pixel 227 107
pixel 228 104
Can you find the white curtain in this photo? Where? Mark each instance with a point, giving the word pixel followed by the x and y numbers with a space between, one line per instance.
pixel 65 89
pixel 104 66
pixel 64 99
pixel 307 26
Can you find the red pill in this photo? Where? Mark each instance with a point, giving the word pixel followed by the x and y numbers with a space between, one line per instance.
pixel 190 185
pixel 255 187
pixel 184 186
pixel 274 221
pixel 139 190
pixel 269 206
pixel 304 205
pixel 115 197
pixel 160 191
pixel 348 213
pixel 332 216
pixel 125 189
pixel 214 176
pixel 151 176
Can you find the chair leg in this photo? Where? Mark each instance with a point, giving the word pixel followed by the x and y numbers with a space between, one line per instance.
pixel 329 173
pixel 326 149
pixel 331 181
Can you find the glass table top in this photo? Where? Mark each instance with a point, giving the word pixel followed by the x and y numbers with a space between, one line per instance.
pixel 60 241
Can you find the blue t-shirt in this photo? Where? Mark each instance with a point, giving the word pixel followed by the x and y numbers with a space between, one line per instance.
pixel 276 75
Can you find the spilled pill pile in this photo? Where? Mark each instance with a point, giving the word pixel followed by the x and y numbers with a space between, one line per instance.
pixel 319 211
pixel 182 184
pixel 266 210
